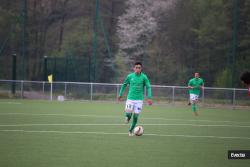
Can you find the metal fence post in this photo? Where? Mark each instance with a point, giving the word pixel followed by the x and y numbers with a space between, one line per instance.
pixel 43 86
pixel 203 96
pixel 233 97
pixel 22 89
pixel 65 89
pixel 91 91
pixel 117 92
pixel 173 94
pixel 51 91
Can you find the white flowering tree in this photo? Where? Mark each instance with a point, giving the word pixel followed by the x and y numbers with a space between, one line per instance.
pixel 136 28
pixel 138 25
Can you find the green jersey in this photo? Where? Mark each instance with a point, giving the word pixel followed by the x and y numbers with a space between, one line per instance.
pixel 136 83
pixel 196 83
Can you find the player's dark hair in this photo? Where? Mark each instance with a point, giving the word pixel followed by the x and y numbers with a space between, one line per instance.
pixel 245 77
pixel 138 63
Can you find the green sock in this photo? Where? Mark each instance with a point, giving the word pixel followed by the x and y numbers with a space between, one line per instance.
pixel 135 118
pixel 129 115
pixel 193 107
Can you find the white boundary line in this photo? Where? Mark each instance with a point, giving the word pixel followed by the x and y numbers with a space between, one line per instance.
pixel 107 133
pixel 8 102
pixel 193 125
pixel 64 115
pixel 109 116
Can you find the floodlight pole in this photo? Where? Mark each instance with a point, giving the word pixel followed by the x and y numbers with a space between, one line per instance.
pixel 98 23
pixel 234 45
pixel 45 68
pixel 24 36
pixel 96 18
pixel 13 88
pixel 234 41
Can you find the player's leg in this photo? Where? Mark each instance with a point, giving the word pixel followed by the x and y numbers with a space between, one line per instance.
pixel 127 117
pixel 194 108
pixel 129 108
pixel 189 101
pixel 193 100
pixel 135 119
pixel 137 110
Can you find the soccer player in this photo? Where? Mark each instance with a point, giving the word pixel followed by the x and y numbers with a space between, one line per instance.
pixel 195 85
pixel 245 78
pixel 136 81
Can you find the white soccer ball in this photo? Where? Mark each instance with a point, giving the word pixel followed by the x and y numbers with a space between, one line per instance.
pixel 138 130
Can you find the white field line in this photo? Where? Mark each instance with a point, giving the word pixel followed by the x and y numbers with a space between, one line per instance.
pixel 64 115
pixel 109 116
pixel 8 102
pixel 107 133
pixel 193 125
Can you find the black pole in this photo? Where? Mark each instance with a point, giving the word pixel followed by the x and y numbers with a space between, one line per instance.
pixel 89 77
pixel 45 68
pixel 234 45
pixel 54 70
pixel 13 87
pixel 24 38
pixel 234 41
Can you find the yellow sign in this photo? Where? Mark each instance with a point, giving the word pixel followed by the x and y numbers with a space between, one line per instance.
pixel 50 78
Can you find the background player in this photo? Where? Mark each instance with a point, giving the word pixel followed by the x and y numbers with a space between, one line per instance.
pixel 245 78
pixel 195 85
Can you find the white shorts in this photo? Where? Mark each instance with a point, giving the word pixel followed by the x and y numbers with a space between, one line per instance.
pixel 133 106
pixel 194 97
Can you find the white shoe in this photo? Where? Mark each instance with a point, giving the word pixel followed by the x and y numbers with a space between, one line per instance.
pixel 130 134
pixel 126 120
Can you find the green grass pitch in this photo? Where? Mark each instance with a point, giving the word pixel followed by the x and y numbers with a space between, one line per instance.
pixel 93 134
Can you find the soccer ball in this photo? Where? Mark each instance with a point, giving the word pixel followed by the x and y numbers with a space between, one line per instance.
pixel 138 131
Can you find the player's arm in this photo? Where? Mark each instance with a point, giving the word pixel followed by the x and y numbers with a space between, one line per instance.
pixel 149 91
pixel 190 85
pixel 124 85
pixel 202 86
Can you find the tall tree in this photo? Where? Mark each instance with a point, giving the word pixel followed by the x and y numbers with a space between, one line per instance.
pixel 243 60
pixel 136 28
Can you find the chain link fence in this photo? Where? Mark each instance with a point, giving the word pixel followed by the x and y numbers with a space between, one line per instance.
pixel 9 89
